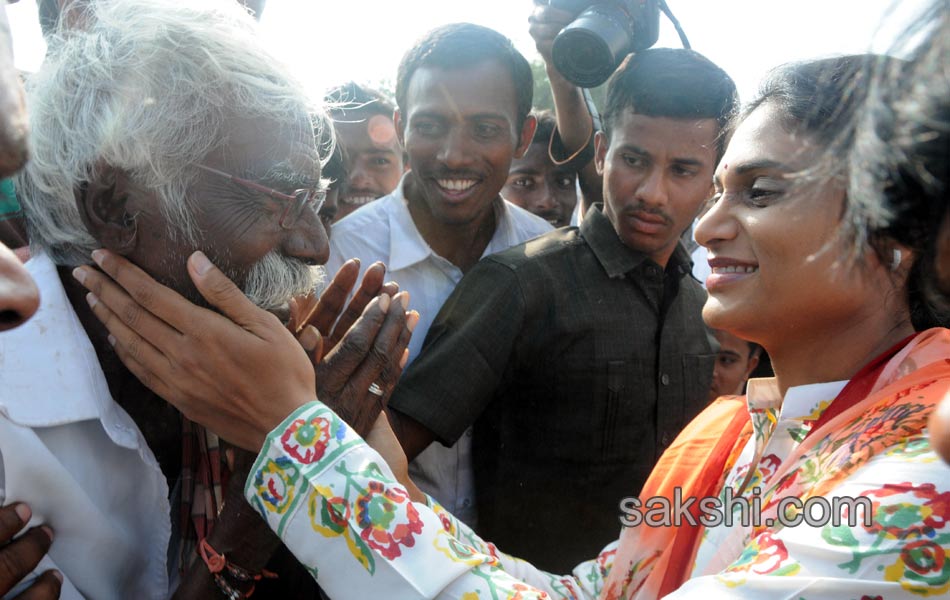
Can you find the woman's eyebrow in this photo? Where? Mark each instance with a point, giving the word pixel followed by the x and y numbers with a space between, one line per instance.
pixel 751 166
pixel 758 165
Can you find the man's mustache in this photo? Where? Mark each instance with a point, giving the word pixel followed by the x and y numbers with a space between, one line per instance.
pixel 640 207
pixel 276 278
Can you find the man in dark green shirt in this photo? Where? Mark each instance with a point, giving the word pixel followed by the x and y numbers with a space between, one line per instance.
pixel 581 354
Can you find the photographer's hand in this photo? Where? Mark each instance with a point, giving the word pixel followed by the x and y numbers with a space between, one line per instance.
pixel 545 23
pixel 574 123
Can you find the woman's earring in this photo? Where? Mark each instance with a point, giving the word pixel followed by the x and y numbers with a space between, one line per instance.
pixel 896 260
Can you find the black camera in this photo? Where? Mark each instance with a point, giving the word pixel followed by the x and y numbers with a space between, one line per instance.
pixel 588 50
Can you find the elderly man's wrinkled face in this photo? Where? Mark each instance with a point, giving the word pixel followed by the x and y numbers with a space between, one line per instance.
pixel 240 228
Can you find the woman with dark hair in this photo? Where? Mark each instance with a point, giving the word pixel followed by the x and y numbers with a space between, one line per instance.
pixel 840 429
pixel 901 168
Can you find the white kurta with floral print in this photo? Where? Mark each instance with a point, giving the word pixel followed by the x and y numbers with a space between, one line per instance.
pixel 336 505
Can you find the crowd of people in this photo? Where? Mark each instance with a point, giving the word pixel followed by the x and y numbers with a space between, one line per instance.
pixel 446 345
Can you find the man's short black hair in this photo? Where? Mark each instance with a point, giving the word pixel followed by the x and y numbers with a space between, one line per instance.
pixel 671 82
pixel 460 45
pixel 352 97
pixel 546 124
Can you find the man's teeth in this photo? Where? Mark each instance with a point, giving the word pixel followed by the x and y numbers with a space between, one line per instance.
pixel 734 269
pixel 456 185
pixel 359 200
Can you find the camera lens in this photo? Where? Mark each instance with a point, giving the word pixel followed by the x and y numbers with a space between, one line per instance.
pixel 588 50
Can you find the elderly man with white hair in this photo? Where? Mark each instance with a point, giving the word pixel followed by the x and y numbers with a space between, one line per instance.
pixel 161 128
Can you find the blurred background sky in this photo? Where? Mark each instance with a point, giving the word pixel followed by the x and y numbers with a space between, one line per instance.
pixel 331 41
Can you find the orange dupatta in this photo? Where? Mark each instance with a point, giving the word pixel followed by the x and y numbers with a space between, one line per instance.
pixel 694 463
pixel 653 562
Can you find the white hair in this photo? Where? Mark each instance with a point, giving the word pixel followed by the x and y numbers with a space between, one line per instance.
pixel 145 86
pixel 276 278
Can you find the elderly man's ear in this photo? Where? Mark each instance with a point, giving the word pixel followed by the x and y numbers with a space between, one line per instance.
pixel 108 209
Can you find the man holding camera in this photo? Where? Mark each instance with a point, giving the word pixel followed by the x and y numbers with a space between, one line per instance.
pixel 581 354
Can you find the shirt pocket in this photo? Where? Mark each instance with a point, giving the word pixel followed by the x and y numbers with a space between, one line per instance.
pixel 626 432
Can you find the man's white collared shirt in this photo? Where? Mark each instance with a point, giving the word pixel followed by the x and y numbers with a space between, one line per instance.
pixel 384 231
pixel 77 458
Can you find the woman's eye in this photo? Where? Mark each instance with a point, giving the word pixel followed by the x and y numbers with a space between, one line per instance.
pixel 761 197
pixel 763 191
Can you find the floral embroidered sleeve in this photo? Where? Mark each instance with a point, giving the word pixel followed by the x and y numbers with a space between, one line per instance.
pixel 336 505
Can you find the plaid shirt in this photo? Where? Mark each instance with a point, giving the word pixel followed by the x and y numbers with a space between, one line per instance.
pixel 579 360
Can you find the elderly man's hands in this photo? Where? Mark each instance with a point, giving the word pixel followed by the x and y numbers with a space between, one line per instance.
pixel 241 373
pixel 352 360
pixel 19 557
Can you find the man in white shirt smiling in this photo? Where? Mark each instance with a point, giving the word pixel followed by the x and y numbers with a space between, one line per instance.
pixel 464 96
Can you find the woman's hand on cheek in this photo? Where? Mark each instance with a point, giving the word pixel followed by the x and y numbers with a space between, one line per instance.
pixel 239 373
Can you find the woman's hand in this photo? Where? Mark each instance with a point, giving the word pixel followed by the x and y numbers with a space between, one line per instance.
pixel 239 373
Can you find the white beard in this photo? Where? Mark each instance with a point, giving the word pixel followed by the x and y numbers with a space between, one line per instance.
pixel 276 278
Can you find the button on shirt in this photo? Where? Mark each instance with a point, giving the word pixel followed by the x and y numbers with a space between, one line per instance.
pixel 384 231
pixel 77 458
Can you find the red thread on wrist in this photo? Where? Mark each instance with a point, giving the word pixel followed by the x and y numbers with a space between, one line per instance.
pixel 214 561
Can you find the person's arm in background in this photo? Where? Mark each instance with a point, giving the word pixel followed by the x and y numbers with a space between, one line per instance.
pixel 413 436
pixel 574 122
pixel 464 359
